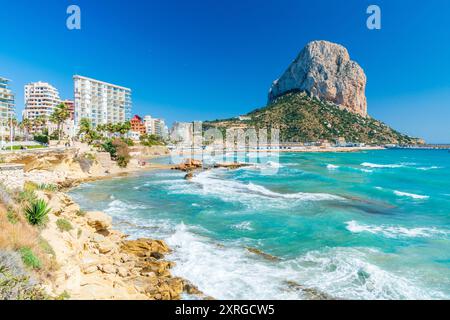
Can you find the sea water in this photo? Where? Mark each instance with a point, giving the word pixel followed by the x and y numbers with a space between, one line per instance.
pixel 366 225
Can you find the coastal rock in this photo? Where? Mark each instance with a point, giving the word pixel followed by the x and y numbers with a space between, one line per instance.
pixel 146 248
pixel 98 220
pixel 122 272
pixel 324 70
pixel 262 254
pixel 310 293
pixel 189 176
pixel 189 165
pixel 105 246
pixel 108 268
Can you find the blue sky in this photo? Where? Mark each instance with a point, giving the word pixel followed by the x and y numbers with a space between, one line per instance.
pixel 198 60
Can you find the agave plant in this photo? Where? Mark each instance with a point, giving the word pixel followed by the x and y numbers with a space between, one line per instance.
pixel 36 212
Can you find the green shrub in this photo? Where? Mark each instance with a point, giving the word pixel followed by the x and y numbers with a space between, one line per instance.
pixel 128 141
pixel 151 140
pixel 36 212
pixel 90 156
pixel 29 259
pixel 48 187
pixel 26 196
pixel 63 296
pixel 12 217
pixel 30 186
pixel 110 148
pixel 123 153
pixel 80 213
pixel 41 138
pixel 15 284
pixel 118 150
pixel 64 225
pixel 46 247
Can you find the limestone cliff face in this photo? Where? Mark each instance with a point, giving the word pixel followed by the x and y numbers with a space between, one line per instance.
pixel 324 70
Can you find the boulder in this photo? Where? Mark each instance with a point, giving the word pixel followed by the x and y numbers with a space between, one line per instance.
pixel 98 220
pixel 146 248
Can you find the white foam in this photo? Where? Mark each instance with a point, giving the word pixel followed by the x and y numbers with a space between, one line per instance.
pixel 246 225
pixel 253 195
pixel 231 272
pixel 376 165
pixel 274 164
pixel 332 167
pixel 227 272
pixel 410 195
pixel 119 207
pixel 429 168
pixel 349 273
pixel 395 231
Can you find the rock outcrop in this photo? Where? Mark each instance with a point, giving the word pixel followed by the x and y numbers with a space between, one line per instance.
pixel 97 262
pixel 324 70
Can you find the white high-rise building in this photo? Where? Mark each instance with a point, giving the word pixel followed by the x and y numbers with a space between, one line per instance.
pixel 101 102
pixel 6 100
pixel 41 99
pixel 6 109
pixel 148 123
pixel 155 126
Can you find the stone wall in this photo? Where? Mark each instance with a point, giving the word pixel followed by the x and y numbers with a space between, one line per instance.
pixel 12 176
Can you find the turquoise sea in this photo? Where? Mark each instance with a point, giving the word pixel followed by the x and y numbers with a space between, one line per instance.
pixel 367 225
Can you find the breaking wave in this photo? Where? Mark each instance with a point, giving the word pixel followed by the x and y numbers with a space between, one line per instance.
pixel 210 183
pixel 376 165
pixel 410 195
pixel 230 272
pixel 395 231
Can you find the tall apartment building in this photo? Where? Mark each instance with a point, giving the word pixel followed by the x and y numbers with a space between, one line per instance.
pixel 101 102
pixel 6 99
pixel 155 126
pixel 6 107
pixel 41 98
pixel 148 124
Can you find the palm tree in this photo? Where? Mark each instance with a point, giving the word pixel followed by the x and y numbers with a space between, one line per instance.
pixel 59 115
pixel 124 128
pixel 39 122
pixel 85 126
pixel 111 128
pixel 13 126
pixel 86 130
pixel 26 126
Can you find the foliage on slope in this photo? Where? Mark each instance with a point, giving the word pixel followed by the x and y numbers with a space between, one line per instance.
pixel 301 118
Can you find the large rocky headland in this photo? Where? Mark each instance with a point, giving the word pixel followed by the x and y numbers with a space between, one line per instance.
pixel 320 97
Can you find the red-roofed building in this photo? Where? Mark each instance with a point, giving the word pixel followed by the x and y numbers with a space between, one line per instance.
pixel 137 125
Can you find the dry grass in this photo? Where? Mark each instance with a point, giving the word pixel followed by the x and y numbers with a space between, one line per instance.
pixel 20 234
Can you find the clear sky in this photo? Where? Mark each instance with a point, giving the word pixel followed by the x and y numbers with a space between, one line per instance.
pixel 200 60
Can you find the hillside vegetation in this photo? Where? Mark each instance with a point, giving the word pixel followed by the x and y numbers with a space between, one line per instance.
pixel 301 118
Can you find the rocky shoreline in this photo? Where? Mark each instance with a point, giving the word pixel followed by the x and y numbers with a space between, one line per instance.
pixel 92 261
pixel 96 262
